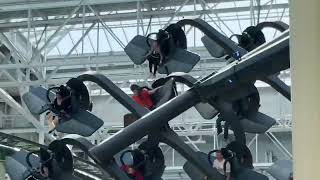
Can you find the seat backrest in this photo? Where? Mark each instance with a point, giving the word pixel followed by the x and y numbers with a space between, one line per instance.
pixel 206 110
pixel 163 93
pixel 128 119
pixel 249 174
pixel 213 48
pixel 180 60
pixel 82 123
pixel 36 99
pixel 80 93
pixel 195 174
pixel 16 165
pixel 257 123
pixel 137 48
pixel 281 169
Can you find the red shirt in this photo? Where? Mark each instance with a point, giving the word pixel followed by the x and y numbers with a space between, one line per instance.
pixel 144 99
pixel 136 174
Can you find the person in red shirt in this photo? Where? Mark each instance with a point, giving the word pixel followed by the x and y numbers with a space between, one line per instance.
pixel 134 174
pixel 142 96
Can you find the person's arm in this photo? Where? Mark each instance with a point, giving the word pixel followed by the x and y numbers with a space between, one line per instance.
pixel 138 175
pixel 152 91
pixel 149 53
pixel 228 176
pixel 146 92
pixel 228 171
pixel 45 172
pixel 161 58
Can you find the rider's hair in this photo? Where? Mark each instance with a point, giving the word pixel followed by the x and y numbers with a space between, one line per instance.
pixel 134 87
pixel 63 91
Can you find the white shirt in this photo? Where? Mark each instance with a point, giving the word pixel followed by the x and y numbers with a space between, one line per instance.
pixel 219 166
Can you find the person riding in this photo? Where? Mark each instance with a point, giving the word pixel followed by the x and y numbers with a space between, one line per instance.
pixel 69 99
pixel 154 57
pixel 178 35
pixel 142 96
pixel 163 42
pixel 61 105
pixel 219 164
pixel 160 48
pixel 222 167
pixel 80 95
pixel 62 102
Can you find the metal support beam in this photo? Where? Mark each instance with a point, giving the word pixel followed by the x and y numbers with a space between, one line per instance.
pixel 14 104
pixel 132 16
pixel 217 16
pixel 107 27
pixel 18 130
pixel 37 55
pixel 175 14
pixel 72 49
pixel 17 55
pixel 279 145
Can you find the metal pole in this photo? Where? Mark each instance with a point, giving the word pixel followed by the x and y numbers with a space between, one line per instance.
pixel 29 31
pixel 172 157
pixel 91 43
pixel 44 70
pixel 42 132
pixel 83 26
pixel 194 29
pixel 214 140
pixel 251 13
pixel 218 17
pixel 138 17
pixel 257 148
pixel 98 38
pixel 108 40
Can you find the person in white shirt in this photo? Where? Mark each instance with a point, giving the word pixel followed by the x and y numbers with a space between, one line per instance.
pixel 218 163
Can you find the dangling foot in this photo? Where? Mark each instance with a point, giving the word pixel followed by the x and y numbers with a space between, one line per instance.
pixel 150 76
pixel 153 76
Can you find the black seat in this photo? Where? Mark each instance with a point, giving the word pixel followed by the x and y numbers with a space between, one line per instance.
pixel 195 174
pixel 213 48
pixel 281 170
pixel 178 59
pixel 82 123
pixel 163 93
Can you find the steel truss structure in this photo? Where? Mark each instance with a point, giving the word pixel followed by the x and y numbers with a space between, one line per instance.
pixel 46 43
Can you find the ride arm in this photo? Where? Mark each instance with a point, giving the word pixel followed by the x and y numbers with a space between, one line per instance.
pixel 223 41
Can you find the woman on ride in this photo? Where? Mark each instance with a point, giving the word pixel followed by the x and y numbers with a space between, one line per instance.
pixel 142 96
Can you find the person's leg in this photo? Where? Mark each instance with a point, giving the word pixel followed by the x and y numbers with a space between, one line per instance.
pixel 226 130
pixel 150 66
pixel 155 69
pixel 218 125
